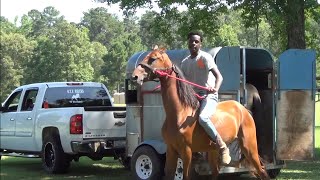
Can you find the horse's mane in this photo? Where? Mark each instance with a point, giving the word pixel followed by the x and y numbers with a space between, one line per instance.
pixel 185 91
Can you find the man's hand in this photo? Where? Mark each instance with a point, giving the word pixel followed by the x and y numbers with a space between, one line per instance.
pixel 212 89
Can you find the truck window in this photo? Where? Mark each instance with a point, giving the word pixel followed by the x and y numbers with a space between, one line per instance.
pixel 59 97
pixel 29 99
pixel 12 104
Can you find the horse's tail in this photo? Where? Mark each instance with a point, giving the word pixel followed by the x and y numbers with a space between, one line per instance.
pixel 256 102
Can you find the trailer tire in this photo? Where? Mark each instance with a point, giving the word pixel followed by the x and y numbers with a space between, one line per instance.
pixel 273 173
pixel 146 163
pixel 54 160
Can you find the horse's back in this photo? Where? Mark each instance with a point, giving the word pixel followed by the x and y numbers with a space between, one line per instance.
pixel 230 107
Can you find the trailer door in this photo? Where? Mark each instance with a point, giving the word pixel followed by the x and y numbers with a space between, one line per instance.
pixel 295 105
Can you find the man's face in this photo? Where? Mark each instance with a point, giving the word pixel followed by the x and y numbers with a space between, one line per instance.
pixel 194 44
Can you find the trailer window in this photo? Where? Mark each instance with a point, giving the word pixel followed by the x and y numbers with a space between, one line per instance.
pixel 130 92
pixel 59 97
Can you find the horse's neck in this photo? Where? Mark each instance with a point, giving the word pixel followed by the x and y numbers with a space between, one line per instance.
pixel 170 98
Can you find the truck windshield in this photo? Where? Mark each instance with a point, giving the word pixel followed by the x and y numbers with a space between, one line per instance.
pixel 59 97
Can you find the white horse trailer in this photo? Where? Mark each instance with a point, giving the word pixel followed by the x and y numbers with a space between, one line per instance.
pixel 285 124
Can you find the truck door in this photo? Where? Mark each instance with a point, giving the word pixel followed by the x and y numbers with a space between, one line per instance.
pixel 25 119
pixel 8 119
pixel 295 105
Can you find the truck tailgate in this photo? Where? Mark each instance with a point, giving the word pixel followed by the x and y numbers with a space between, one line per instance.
pixel 104 122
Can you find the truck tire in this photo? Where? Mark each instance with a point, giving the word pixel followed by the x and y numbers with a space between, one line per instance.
pixel 54 160
pixel 146 163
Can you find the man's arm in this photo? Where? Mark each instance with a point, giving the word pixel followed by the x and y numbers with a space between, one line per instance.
pixel 215 71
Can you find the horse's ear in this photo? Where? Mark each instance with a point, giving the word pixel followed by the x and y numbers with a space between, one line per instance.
pixel 163 49
pixel 155 47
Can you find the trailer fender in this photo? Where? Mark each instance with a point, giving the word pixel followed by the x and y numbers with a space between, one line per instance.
pixel 159 146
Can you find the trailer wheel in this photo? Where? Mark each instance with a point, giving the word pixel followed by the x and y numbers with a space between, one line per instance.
pixel 54 160
pixel 179 170
pixel 273 173
pixel 146 163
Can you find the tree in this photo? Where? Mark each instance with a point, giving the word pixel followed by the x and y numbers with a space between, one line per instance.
pixel 120 50
pixel 41 22
pixel 286 17
pixel 64 54
pixel 161 29
pixel 120 39
pixel 103 26
pixel 16 51
pixel 313 35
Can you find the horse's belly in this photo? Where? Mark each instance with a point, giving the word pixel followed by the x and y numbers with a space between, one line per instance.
pixel 200 140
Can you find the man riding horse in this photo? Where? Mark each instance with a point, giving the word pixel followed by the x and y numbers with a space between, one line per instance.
pixel 199 67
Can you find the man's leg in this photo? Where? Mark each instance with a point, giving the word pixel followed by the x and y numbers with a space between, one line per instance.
pixel 208 108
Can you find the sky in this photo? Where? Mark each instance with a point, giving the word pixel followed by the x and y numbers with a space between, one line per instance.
pixel 72 10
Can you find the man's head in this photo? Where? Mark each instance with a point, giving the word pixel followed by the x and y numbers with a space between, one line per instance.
pixel 194 42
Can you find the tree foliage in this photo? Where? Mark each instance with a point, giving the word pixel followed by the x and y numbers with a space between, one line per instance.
pixel 286 17
pixel 45 47
pixel 16 51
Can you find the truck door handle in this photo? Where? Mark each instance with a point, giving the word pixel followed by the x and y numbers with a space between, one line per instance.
pixel 119 123
pixel 29 118
pixel 11 119
pixel 119 115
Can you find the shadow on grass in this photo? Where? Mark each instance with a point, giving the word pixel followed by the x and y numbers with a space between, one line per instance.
pixel 84 169
pixel 29 169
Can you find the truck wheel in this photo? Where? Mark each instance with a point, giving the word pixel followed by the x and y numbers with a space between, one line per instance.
pixel 54 160
pixel 146 163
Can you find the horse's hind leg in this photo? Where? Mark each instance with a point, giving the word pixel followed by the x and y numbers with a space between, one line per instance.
pixel 249 147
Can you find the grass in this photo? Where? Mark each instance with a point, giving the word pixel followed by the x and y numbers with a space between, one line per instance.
pixel 304 169
pixel 13 168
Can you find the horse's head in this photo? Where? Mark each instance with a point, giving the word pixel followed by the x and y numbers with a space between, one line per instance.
pixel 148 70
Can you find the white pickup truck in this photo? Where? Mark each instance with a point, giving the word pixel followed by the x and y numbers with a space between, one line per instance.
pixel 60 122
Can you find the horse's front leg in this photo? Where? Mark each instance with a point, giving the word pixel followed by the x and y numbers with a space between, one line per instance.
pixel 171 163
pixel 186 156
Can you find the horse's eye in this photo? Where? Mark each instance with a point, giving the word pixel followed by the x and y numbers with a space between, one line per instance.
pixel 151 60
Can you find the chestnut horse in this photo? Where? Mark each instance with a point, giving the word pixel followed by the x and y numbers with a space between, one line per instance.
pixel 181 130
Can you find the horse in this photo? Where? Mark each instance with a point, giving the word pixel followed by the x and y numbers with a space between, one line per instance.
pixel 253 97
pixel 181 130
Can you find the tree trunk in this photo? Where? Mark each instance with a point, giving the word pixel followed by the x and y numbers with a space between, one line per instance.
pixel 295 24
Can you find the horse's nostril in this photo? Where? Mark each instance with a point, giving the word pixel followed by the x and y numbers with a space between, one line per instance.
pixel 134 78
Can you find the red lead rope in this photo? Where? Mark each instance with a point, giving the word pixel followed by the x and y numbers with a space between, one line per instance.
pixel 162 73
